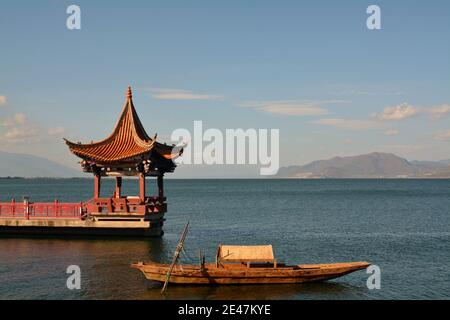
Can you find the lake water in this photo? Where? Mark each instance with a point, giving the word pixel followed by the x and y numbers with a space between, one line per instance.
pixel 403 226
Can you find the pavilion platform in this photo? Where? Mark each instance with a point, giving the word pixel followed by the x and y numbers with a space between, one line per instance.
pixel 90 218
pixel 128 152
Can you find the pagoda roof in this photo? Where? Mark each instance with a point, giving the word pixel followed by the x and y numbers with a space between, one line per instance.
pixel 128 142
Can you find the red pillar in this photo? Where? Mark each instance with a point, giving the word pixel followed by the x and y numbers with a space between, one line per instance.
pixel 97 186
pixel 56 207
pixel 160 187
pixel 118 192
pixel 142 187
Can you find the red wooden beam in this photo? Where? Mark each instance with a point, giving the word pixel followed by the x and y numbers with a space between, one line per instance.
pixel 97 185
pixel 118 191
pixel 142 187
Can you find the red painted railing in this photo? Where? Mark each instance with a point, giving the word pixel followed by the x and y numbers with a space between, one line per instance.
pixel 40 210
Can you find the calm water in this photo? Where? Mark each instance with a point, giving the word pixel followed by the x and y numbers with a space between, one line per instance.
pixel 403 226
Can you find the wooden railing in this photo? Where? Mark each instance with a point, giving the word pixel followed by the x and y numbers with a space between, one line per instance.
pixel 132 205
pixel 41 210
pixel 29 210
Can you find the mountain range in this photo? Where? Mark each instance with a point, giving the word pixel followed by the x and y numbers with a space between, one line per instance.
pixel 29 166
pixel 373 165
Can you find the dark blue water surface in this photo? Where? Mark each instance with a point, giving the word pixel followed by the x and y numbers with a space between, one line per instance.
pixel 403 226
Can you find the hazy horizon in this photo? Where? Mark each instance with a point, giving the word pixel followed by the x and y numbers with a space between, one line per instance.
pixel 193 172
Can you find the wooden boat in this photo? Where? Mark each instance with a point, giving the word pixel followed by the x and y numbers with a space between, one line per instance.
pixel 245 265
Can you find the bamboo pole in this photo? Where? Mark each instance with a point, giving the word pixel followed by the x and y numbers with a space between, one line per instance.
pixel 175 257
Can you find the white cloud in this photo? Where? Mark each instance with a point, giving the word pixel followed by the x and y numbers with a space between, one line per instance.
pixel 21 134
pixel 375 93
pixel 56 131
pixel 8 122
pixel 291 107
pixel 178 94
pixel 391 132
pixel 400 112
pixel 2 100
pixel 19 130
pixel 18 118
pixel 439 112
pixel 443 136
pixel 348 141
pixel 349 124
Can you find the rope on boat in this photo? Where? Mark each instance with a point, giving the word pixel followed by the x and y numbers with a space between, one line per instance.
pixel 185 255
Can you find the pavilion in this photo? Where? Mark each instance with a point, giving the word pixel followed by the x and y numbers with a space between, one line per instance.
pixel 128 152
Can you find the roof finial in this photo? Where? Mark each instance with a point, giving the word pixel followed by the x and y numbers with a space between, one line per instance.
pixel 129 95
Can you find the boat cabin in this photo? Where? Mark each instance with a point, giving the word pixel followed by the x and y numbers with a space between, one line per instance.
pixel 256 255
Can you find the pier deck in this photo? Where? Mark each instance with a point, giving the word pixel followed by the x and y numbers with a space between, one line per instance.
pixel 77 219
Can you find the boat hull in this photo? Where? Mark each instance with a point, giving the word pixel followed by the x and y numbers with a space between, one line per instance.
pixel 211 275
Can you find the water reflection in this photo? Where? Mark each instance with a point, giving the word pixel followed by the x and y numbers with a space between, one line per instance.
pixel 39 264
pixel 320 290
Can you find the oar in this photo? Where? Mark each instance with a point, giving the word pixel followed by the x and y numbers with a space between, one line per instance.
pixel 175 257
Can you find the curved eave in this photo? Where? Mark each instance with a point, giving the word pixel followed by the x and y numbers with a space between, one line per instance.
pixel 168 152
pixel 120 158
pixel 164 151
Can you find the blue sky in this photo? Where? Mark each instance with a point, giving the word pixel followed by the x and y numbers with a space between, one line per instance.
pixel 309 68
